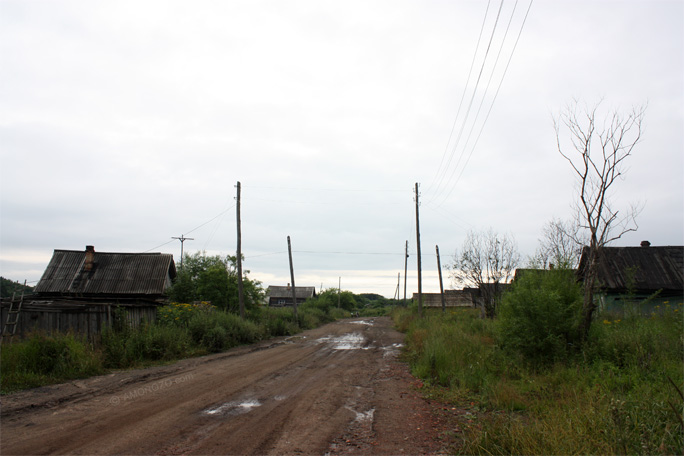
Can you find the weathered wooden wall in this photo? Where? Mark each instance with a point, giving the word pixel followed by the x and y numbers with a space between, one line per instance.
pixel 82 318
pixel 451 299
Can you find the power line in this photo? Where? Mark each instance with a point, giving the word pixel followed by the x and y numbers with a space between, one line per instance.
pixel 453 186
pixel 470 103
pixel 328 189
pixel 209 221
pixel 484 94
pixel 460 104
pixel 446 188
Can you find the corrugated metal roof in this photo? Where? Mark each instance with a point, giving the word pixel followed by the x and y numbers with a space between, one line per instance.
pixel 275 291
pixel 111 274
pixel 655 268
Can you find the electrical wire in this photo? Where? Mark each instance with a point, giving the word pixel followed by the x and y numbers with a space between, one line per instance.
pixel 453 186
pixel 460 104
pixel 470 103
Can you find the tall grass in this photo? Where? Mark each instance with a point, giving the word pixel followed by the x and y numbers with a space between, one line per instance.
pixel 182 330
pixel 620 394
pixel 42 359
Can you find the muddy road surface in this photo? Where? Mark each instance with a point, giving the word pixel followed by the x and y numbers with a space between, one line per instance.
pixel 338 389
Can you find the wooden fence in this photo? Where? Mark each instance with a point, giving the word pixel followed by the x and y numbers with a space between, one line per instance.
pixel 85 318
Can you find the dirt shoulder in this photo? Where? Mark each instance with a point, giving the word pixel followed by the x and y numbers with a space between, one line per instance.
pixel 338 389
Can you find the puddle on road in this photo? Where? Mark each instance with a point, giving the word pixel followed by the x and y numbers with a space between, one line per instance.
pixel 352 341
pixel 365 416
pixel 363 322
pixel 233 408
pixel 391 350
pixel 362 416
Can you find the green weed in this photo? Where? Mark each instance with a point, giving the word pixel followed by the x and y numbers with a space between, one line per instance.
pixel 41 359
pixel 620 394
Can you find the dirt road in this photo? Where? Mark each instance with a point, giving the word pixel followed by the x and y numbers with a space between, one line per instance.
pixel 338 389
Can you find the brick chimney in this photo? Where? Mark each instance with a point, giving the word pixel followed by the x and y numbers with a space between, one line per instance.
pixel 89 257
pixel 645 244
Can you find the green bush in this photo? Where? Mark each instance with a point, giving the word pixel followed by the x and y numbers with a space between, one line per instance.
pixel 619 394
pixel 539 316
pixel 148 342
pixel 41 359
pixel 278 321
pixel 454 350
pixel 217 331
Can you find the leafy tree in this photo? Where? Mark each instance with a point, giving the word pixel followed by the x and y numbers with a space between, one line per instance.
pixel 329 298
pixel 374 300
pixel 596 150
pixel 8 288
pixel 214 279
pixel 539 315
pixel 487 260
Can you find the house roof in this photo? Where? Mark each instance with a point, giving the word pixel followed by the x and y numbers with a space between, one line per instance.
pixel 276 291
pixel 655 268
pixel 110 274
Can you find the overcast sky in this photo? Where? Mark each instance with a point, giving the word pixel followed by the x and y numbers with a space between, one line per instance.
pixel 126 123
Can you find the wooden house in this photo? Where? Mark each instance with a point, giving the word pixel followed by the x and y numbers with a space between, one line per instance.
pixel 279 296
pixel 80 291
pixel 644 278
pixel 452 298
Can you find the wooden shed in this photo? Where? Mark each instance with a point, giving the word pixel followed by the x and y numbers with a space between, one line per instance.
pixel 650 275
pixel 279 296
pixel 452 298
pixel 80 291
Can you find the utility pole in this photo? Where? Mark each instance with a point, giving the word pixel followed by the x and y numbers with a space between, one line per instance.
pixel 241 296
pixel 182 239
pixel 339 292
pixel 396 293
pixel 441 286
pixel 294 293
pixel 420 271
pixel 406 255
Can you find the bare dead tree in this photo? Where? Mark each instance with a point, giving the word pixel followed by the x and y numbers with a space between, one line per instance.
pixel 560 245
pixel 486 260
pixel 597 150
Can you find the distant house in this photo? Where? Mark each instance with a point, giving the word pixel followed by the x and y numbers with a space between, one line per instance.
pixel 279 296
pixel 452 298
pixel 81 290
pixel 631 275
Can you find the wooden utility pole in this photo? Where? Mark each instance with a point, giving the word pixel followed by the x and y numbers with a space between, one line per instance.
pixel 182 239
pixel 294 293
pixel 420 271
pixel 441 286
pixel 241 295
pixel 339 292
pixel 406 255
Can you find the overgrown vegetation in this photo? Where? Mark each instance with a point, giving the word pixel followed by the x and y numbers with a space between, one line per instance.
pixel 181 330
pixel 619 393
pixel 214 279
pixel 42 359
pixel 203 319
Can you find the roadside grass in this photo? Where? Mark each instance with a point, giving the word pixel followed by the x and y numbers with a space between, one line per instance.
pixel 181 331
pixel 620 394
pixel 42 359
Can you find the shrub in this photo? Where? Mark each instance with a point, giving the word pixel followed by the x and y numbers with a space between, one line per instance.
pixel 148 342
pixel 42 359
pixel 278 322
pixel 539 316
pixel 177 313
pixel 218 331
